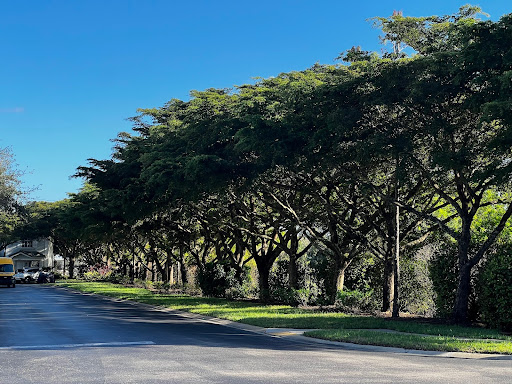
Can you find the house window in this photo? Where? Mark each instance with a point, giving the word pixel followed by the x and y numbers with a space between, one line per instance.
pixel 26 243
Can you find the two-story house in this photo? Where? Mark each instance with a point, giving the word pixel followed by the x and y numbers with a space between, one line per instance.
pixel 30 253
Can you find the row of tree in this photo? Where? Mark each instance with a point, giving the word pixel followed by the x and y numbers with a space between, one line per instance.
pixel 377 155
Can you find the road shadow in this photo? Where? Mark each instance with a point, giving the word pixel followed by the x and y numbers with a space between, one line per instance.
pixel 53 317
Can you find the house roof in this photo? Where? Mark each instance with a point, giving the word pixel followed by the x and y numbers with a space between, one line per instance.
pixel 27 256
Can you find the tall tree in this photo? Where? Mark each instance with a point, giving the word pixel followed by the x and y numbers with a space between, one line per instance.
pixel 458 134
pixel 10 196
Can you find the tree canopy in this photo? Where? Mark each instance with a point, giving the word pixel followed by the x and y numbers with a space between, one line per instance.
pixel 10 196
pixel 359 158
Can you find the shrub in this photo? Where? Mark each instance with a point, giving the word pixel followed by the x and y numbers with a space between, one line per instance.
pixel 221 280
pixel 98 273
pixel 321 269
pixel 494 288
pixel 190 289
pixel 278 277
pixel 280 290
pixel 161 286
pixel 354 300
pixel 306 296
pixel 283 295
pixel 212 280
pixel 92 276
pixel 443 270
pixel 119 279
pixel 294 297
pixel 365 274
pixel 238 286
pixel 416 290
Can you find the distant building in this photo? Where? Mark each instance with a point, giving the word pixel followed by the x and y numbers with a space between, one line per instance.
pixel 30 253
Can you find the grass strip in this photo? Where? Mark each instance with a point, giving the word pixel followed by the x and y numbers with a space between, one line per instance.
pixel 426 343
pixel 277 316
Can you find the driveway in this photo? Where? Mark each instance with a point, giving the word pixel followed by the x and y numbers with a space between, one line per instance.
pixel 50 335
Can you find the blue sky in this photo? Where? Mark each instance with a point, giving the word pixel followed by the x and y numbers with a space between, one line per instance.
pixel 72 72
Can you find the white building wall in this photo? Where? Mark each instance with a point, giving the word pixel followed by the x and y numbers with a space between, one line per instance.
pixel 42 246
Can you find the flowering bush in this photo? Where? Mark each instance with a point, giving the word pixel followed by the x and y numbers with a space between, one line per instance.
pixel 98 272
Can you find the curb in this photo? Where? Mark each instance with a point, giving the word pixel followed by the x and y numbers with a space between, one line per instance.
pixel 297 335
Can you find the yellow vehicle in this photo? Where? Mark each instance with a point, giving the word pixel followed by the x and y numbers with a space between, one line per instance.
pixel 7 272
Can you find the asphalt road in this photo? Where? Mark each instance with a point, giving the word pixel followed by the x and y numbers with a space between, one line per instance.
pixel 49 335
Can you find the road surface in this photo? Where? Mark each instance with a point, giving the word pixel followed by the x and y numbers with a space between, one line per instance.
pixel 50 335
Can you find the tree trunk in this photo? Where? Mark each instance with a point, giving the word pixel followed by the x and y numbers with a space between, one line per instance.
pixel 149 271
pixel 388 284
pixel 336 280
pixel 160 269
pixel 460 310
pixel 263 281
pixel 165 275
pixel 183 267
pixel 292 272
pixel 172 281
pixel 396 287
pixel 71 267
pixel 340 281
pixel 183 271
pixel 133 266
pixel 396 263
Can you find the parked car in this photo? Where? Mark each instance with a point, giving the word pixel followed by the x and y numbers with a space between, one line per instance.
pixel 19 276
pixel 43 277
pixel 27 275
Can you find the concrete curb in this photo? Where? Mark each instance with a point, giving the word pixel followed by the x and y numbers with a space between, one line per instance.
pixel 297 335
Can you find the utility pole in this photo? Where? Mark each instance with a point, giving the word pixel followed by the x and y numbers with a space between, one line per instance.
pixel 396 256
pixel 397 49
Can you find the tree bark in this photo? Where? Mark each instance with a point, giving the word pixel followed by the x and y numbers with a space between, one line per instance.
pixel 292 272
pixel 165 276
pixel 183 271
pixel 337 278
pixel 340 281
pixel 263 281
pixel 396 261
pixel 388 283
pixel 396 287
pixel 460 310
pixel 71 267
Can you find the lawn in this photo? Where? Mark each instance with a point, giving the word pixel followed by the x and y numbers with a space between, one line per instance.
pixel 333 325
pixel 411 341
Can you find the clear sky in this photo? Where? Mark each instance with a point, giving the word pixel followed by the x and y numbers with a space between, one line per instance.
pixel 72 72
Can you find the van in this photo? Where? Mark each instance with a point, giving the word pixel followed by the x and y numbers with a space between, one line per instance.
pixel 7 272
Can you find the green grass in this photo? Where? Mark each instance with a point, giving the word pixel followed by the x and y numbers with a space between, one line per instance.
pixel 426 343
pixel 335 324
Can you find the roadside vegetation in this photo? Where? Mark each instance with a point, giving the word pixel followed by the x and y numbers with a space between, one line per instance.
pixel 326 325
pixel 440 342
pixel 10 196
pixel 380 184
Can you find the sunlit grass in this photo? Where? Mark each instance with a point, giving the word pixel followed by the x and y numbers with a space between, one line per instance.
pixel 407 341
pixel 284 316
